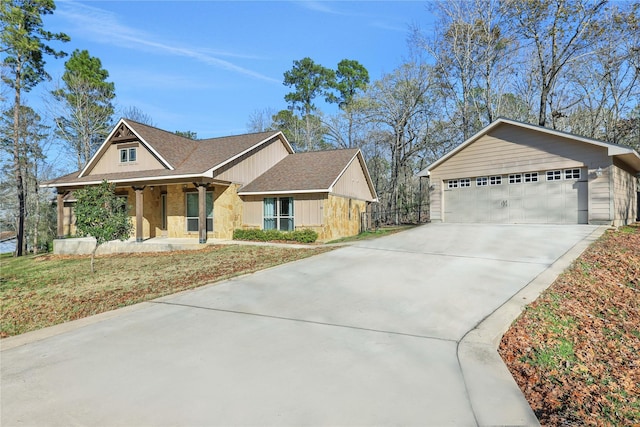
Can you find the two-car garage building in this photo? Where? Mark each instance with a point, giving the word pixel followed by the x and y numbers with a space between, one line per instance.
pixel 512 172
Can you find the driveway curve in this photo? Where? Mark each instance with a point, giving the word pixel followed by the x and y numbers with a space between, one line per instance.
pixel 370 334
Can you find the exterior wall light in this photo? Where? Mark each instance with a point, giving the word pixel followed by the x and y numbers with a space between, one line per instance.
pixel 599 172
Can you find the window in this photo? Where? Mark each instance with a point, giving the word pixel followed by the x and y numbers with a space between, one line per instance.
pixel 495 180
pixel 482 181
pixel 278 213
pixel 531 177
pixel 554 175
pixel 572 174
pixel 128 155
pixel 465 182
pixel 515 178
pixel 192 211
pixel 452 183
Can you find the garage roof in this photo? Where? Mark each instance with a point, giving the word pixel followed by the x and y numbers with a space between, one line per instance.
pixel 626 154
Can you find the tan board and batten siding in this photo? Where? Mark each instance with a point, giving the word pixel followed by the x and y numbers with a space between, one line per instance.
pixel 353 183
pixel 509 149
pixel 145 160
pixel 307 209
pixel 624 187
pixel 248 167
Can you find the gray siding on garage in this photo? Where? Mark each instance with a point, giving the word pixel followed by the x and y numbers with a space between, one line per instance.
pixel 511 149
pixel 625 189
pixel 543 202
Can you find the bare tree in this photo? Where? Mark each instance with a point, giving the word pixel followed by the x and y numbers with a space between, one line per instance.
pixel 399 104
pixel 137 115
pixel 470 50
pixel 560 31
pixel 261 120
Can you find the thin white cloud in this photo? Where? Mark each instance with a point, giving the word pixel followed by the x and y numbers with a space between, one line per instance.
pixel 103 26
pixel 325 6
pixel 389 27
pixel 318 6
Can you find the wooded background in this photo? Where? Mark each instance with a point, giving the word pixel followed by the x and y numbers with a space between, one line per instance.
pixel 571 65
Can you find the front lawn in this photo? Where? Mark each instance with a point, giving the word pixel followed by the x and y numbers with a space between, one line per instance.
pixel 44 290
pixel 575 351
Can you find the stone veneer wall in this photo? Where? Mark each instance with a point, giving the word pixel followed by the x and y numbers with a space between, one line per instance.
pixel 227 212
pixel 337 221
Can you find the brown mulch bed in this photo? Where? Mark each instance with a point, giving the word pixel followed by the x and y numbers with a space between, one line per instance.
pixel 575 352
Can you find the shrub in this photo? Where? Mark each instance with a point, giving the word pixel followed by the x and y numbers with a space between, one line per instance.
pixel 301 236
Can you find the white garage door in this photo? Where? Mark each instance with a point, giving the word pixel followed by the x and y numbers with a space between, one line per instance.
pixel 550 197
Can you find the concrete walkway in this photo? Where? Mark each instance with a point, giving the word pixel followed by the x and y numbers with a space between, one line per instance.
pixel 395 331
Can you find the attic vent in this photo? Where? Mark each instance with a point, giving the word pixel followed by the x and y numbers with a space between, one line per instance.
pixel 123 134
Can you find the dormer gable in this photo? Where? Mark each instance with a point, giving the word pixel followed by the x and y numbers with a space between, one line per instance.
pixel 124 150
pixel 123 134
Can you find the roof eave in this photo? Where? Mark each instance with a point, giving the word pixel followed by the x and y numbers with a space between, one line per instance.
pixel 100 152
pixel 125 180
pixel 275 192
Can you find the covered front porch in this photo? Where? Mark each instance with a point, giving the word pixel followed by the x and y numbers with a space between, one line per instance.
pixel 176 209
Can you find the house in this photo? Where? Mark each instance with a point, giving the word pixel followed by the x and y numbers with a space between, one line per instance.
pixel 513 172
pixel 177 187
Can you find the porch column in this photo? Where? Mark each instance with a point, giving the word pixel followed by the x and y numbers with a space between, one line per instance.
pixel 60 208
pixel 139 212
pixel 202 212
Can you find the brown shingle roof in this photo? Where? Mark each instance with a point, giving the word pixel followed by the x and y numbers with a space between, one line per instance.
pixel 186 156
pixel 196 156
pixel 311 171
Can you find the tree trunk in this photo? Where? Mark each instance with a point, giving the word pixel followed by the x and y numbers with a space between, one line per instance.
pixel 36 223
pixel 93 257
pixel 16 165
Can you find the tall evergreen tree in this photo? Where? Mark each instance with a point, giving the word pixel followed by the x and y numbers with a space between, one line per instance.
pixel 310 81
pixel 23 41
pixel 87 107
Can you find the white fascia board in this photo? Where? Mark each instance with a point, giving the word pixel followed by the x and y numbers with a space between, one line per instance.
pixel 149 147
pixel 100 152
pixel 335 181
pixel 125 180
pixel 612 149
pixel 270 193
pixel 365 171
pixel 253 147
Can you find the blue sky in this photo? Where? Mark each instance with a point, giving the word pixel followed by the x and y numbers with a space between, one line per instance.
pixel 206 66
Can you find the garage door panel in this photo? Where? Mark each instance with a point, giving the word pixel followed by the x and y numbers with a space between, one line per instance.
pixel 542 202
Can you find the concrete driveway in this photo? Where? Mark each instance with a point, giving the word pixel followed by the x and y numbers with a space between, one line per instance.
pixel 378 333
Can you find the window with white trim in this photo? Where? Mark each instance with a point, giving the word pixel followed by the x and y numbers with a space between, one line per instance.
pixel 128 155
pixel 452 183
pixel 554 175
pixel 193 211
pixel 495 180
pixel 278 213
pixel 572 174
pixel 515 178
pixel 482 181
pixel 531 177
pixel 465 182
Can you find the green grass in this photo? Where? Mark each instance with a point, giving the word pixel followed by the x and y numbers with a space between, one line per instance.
pixel 380 232
pixel 44 290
